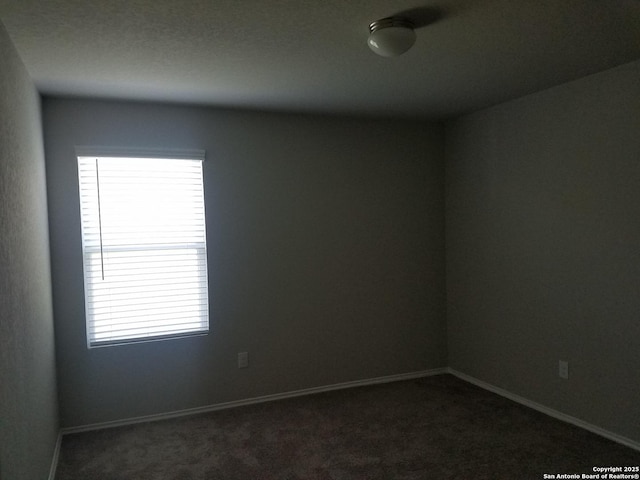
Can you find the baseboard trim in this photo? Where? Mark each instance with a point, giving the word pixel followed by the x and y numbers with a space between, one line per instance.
pixel 255 400
pixel 546 410
pixel 56 455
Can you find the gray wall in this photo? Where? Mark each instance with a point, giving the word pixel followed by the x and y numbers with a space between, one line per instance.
pixel 543 247
pixel 28 403
pixel 326 256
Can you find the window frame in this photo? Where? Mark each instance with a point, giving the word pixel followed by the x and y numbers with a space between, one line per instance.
pixel 199 247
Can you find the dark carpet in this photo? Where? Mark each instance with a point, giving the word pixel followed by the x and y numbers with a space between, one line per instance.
pixel 432 428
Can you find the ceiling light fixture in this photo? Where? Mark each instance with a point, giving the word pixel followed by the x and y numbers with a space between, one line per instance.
pixel 391 36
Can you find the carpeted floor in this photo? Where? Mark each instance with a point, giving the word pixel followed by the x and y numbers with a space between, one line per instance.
pixel 432 428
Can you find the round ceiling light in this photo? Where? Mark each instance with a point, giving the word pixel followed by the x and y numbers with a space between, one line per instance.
pixel 391 36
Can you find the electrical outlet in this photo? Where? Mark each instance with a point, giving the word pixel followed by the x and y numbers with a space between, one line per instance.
pixel 243 359
pixel 563 369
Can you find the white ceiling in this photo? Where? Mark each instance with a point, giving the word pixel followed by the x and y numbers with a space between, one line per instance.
pixel 311 55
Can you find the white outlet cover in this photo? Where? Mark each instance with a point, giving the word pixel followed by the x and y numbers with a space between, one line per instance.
pixel 563 369
pixel 243 359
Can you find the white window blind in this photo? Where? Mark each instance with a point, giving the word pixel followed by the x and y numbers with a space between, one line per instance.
pixel 144 248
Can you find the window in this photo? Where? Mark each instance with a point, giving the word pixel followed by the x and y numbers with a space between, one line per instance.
pixel 144 247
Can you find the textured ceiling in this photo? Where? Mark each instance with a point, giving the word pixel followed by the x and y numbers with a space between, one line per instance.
pixel 310 55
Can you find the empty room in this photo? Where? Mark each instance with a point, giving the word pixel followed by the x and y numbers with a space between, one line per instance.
pixel 319 240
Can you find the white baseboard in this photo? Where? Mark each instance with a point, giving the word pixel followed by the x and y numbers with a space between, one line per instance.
pixel 54 459
pixel 340 386
pixel 251 401
pixel 547 411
